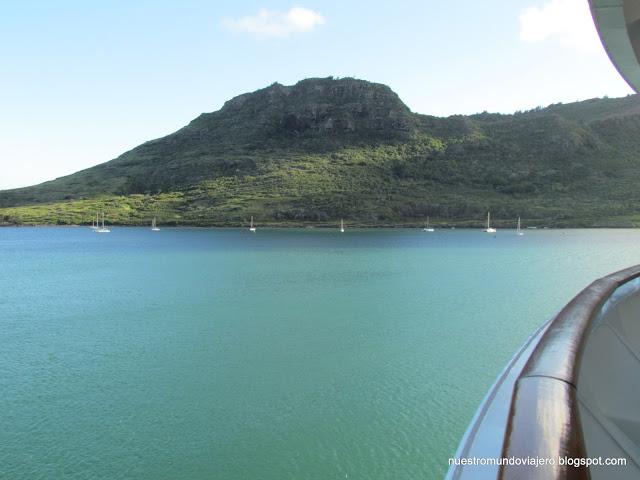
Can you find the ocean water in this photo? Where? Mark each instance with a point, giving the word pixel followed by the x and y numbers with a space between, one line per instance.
pixel 285 354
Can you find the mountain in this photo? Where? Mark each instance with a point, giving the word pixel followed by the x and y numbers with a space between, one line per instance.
pixel 327 148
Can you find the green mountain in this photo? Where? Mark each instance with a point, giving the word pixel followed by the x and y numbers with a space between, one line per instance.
pixel 326 149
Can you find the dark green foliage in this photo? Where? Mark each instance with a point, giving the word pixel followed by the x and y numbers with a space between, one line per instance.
pixel 324 149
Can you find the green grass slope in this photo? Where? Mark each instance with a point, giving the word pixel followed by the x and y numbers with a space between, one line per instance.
pixel 326 149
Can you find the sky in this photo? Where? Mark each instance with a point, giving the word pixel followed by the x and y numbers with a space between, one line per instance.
pixel 83 81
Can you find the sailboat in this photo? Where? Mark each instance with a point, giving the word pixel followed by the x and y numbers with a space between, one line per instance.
pixel 427 228
pixel 341 226
pixel 489 229
pixel 251 227
pixel 153 225
pixel 102 229
pixel 95 223
pixel 519 229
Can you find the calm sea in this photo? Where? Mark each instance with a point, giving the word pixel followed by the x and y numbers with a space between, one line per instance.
pixel 286 354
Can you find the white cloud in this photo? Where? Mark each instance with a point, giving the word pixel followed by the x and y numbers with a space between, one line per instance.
pixel 276 24
pixel 568 22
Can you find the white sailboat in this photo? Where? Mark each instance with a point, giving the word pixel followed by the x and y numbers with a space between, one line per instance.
pixel 519 229
pixel 95 223
pixel 251 227
pixel 153 225
pixel 427 228
pixel 341 226
pixel 102 229
pixel 489 229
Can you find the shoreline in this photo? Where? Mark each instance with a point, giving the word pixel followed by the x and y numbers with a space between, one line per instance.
pixel 348 226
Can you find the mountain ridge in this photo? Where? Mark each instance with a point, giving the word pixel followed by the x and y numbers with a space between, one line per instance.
pixel 326 148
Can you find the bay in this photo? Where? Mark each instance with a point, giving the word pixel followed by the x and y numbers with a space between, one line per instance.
pixel 284 354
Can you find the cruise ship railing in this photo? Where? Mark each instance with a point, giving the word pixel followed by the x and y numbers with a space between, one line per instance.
pixel 544 418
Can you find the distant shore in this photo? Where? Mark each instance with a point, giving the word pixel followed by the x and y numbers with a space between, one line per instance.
pixel 355 225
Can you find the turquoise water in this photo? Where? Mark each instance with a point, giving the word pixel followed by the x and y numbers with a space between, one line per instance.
pixel 202 354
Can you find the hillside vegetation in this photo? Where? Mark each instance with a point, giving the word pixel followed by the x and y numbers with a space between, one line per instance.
pixel 326 149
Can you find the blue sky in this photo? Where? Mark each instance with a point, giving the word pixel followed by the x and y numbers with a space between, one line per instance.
pixel 84 81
